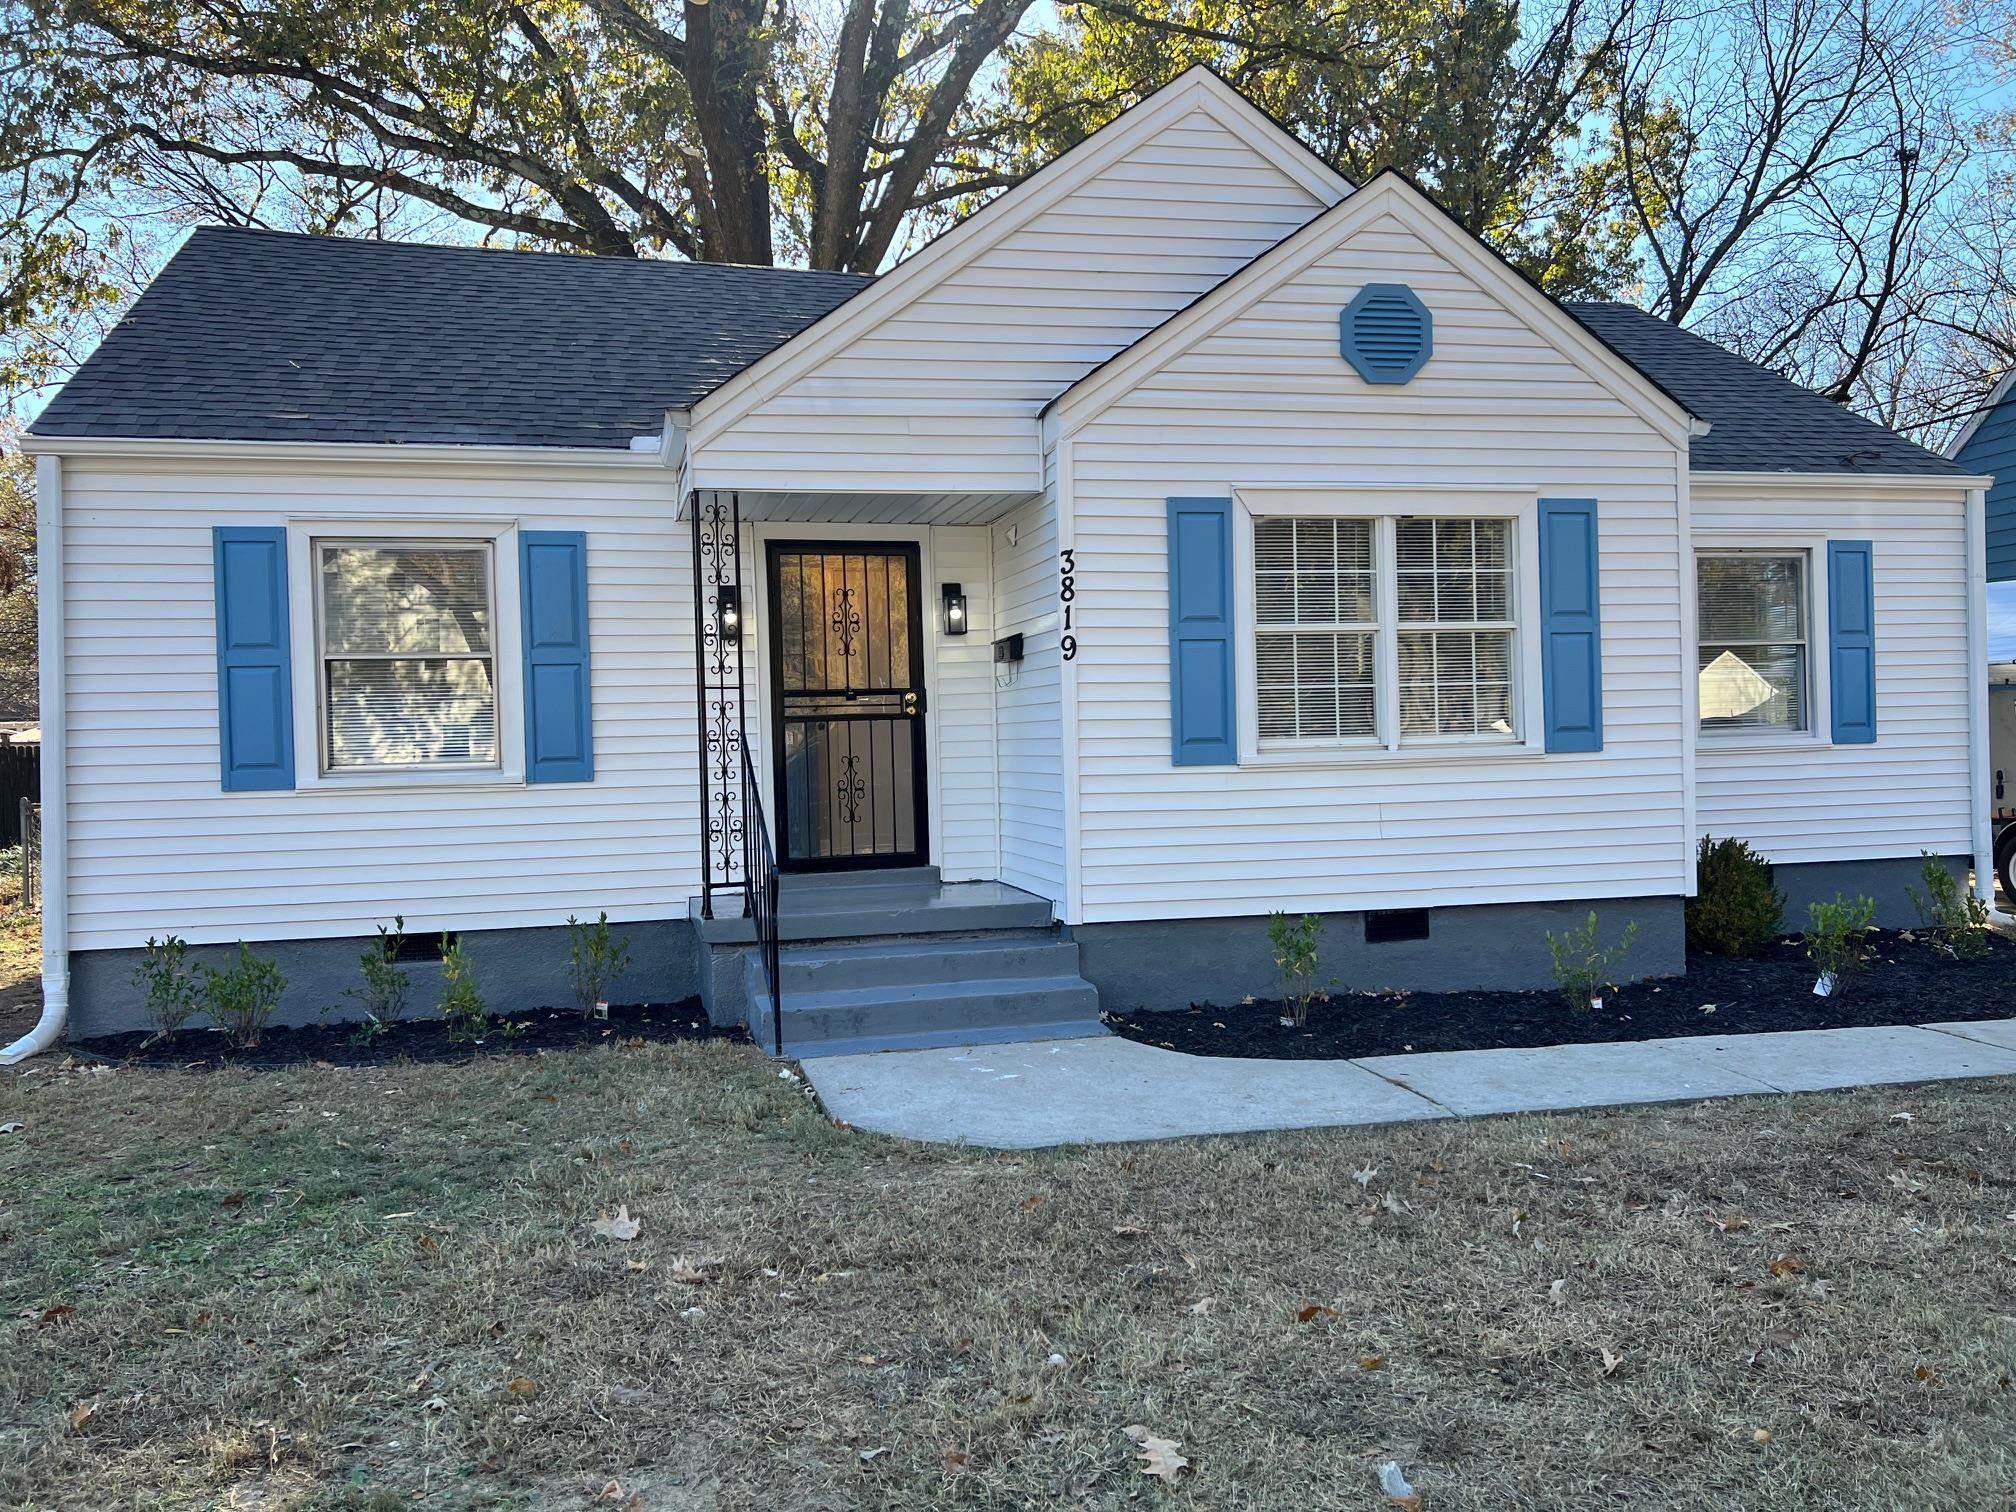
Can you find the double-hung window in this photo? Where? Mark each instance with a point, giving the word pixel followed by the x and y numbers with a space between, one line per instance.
pixel 1384 630
pixel 1754 662
pixel 406 635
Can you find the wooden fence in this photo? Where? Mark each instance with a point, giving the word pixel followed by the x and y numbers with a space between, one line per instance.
pixel 20 777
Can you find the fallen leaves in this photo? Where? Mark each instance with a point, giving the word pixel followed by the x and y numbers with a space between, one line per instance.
pixel 522 1386
pixel 1735 1223
pixel 1610 1363
pixel 81 1414
pixel 1557 1291
pixel 1372 1362
pixel 622 1226
pixel 692 1272
pixel 62 1312
pixel 1311 1311
pixel 1158 1456
pixel 1787 1264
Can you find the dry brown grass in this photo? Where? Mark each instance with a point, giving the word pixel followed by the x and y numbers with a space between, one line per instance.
pixel 316 1288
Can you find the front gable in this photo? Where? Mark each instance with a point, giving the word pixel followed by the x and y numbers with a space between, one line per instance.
pixel 933 378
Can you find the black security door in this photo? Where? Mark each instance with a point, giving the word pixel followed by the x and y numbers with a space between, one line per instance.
pixel 847 700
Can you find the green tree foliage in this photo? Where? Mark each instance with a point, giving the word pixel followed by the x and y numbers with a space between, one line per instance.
pixel 17 584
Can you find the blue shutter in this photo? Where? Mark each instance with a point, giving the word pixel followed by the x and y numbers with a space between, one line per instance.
pixel 1571 640
pixel 1202 712
pixel 553 587
pixel 1851 634
pixel 255 700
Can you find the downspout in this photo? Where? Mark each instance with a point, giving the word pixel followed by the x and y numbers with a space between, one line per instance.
pixel 55 811
pixel 1980 809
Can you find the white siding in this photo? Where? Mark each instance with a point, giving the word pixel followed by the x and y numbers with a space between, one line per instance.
pixel 966 823
pixel 156 846
pixel 1266 401
pixel 944 392
pixel 1027 701
pixel 1907 792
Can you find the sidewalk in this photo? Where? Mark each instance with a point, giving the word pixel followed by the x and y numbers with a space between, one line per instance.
pixel 1112 1090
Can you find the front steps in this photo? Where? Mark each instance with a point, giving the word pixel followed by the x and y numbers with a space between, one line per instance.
pixel 902 961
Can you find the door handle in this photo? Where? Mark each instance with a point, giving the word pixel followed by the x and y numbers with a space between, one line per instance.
pixel 913 703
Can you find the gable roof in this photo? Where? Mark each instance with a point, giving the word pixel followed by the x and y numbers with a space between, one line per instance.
pixel 1759 421
pixel 269 336
pixel 1988 406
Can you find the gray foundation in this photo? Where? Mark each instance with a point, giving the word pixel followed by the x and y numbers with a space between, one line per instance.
pixel 516 970
pixel 1886 879
pixel 1171 963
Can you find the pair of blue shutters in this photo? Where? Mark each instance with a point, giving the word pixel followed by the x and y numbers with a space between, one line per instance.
pixel 1203 679
pixel 255 702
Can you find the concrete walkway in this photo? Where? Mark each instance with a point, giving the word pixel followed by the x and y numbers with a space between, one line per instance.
pixel 1112 1090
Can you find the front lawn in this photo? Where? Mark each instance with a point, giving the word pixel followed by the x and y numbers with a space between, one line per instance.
pixel 381 1286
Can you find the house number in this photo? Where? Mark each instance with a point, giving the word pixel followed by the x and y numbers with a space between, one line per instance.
pixel 1067 591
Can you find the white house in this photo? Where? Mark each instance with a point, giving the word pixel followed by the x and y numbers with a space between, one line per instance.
pixel 1184 536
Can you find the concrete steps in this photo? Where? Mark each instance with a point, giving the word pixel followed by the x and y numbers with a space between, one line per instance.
pixel 903 961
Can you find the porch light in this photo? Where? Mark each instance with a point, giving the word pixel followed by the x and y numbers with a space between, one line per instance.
pixel 955 609
pixel 729 613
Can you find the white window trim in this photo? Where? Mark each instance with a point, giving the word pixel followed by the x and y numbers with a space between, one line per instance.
pixel 303 614
pixel 1819 700
pixel 1385 506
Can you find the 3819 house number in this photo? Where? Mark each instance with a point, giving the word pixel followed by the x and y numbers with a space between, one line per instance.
pixel 1067 591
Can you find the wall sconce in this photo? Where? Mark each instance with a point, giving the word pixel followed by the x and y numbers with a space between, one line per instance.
pixel 955 609
pixel 728 614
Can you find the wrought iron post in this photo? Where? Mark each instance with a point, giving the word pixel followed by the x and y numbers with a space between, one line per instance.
pixel 721 694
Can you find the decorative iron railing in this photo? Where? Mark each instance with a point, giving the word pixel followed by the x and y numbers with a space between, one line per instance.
pixel 759 891
pixel 721 690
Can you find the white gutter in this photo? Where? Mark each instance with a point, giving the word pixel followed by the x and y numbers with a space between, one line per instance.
pixel 374 453
pixel 1980 806
pixel 55 812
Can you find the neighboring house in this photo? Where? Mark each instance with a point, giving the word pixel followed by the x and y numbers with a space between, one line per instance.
pixel 1184 536
pixel 1987 444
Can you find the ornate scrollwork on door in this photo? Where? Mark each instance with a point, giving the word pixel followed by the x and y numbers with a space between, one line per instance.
pixel 850 790
pixel 846 619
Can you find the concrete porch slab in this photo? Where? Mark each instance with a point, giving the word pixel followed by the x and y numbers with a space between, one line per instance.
pixel 1565 1076
pixel 2000 1032
pixel 1819 1060
pixel 1096 1091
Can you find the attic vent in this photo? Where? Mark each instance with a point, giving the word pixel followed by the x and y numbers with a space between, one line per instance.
pixel 1386 333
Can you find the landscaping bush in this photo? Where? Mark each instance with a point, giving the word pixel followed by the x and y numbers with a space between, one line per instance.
pixel 1955 915
pixel 1295 946
pixel 595 959
pixel 1584 969
pixel 174 995
pixel 385 985
pixel 1735 910
pixel 1836 938
pixel 243 996
pixel 461 1004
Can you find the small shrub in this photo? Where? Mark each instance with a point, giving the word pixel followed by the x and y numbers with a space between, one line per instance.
pixel 1735 910
pixel 1583 968
pixel 595 959
pixel 385 985
pixel 1295 946
pixel 174 995
pixel 1836 938
pixel 461 1004
pixel 1955 915
pixel 243 996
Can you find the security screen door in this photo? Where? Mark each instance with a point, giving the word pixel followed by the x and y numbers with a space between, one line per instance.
pixel 847 701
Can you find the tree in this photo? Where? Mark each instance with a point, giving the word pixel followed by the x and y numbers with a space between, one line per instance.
pixel 17 583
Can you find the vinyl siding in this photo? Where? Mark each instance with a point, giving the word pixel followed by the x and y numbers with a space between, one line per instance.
pixel 1992 449
pixel 966 827
pixel 943 393
pixel 1028 708
pixel 1267 401
pixel 156 846
pixel 1907 792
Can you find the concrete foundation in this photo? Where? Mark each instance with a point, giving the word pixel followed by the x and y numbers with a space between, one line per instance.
pixel 1886 879
pixel 516 970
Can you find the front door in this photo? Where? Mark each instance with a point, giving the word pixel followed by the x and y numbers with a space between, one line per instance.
pixel 847 703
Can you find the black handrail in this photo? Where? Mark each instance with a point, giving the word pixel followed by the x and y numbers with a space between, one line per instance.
pixel 759 891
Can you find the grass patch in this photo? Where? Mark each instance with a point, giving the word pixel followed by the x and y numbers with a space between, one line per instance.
pixel 324 1287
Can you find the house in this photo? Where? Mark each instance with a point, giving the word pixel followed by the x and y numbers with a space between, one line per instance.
pixel 1188 534
pixel 1987 444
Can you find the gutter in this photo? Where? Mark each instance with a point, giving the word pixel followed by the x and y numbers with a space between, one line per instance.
pixel 1980 807
pixel 55 810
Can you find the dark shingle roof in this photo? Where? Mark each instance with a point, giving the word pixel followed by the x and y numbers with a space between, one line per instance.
pixel 264 336
pixel 1758 421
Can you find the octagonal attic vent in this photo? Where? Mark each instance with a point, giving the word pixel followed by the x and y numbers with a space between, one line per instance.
pixel 1386 333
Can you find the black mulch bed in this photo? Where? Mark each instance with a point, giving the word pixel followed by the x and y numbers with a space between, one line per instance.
pixel 424 1039
pixel 1907 981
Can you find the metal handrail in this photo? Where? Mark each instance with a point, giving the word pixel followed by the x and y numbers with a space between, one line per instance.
pixel 759 891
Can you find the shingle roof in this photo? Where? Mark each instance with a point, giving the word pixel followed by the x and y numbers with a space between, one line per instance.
pixel 1758 421
pixel 265 336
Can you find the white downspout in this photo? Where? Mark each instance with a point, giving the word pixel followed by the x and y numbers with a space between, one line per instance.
pixel 55 811
pixel 1980 809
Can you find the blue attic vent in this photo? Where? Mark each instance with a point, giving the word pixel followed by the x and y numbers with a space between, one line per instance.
pixel 1386 333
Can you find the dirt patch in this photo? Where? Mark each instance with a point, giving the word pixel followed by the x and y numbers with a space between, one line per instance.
pixel 1908 981
pixel 422 1040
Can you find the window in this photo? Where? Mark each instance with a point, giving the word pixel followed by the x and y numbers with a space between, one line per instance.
pixel 1752 611
pixel 407 649
pixel 1345 609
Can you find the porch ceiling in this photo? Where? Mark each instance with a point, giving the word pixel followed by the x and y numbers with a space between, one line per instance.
pixel 876 508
